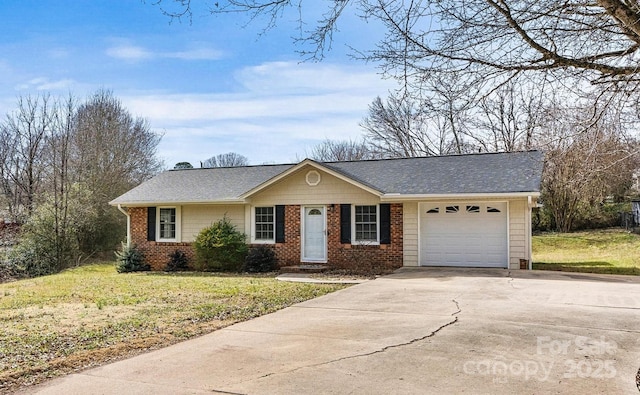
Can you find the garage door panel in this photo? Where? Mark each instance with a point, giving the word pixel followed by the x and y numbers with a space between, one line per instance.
pixel 474 236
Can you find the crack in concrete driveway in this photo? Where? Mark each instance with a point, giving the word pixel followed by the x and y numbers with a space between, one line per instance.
pixel 379 351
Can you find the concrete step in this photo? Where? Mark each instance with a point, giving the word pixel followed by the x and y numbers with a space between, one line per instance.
pixel 304 268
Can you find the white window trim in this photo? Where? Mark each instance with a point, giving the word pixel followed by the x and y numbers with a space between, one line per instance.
pixel 178 237
pixel 253 227
pixel 353 226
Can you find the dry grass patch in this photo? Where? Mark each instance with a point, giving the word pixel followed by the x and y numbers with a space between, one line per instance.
pixel 608 251
pixel 87 316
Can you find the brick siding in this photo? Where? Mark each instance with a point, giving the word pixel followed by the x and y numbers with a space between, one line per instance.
pixel 365 257
pixel 156 253
pixel 344 256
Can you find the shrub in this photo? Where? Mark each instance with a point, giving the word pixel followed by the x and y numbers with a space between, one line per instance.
pixel 260 259
pixel 178 261
pixel 131 259
pixel 28 259
pixel 220 247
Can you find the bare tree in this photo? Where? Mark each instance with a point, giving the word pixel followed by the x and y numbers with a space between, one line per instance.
pixel 345 150
pixel 586 162
pixel 24 134
pixel 491 38
pixel 230 159
pixel 510 118
pixel 112 151
pixel 410 127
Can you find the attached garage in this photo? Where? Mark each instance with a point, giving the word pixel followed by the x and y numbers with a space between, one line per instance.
pixel 469 234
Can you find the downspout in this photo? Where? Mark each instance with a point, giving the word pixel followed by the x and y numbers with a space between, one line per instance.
pixel 125 212
pixel 530 230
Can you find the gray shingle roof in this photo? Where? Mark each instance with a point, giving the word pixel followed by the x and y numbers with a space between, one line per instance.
pixel 477 173
pixel 457 174
pixel 200 185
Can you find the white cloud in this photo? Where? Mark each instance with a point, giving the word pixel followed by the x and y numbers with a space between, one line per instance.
pixel 283 110
pixel 136 53
pixel 290 76
pixel 129 52
pixel 195 54
pixel 44 84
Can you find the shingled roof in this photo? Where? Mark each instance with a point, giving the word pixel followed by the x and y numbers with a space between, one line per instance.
pixel 494 173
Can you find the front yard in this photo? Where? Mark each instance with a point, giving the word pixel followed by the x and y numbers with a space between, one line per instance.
pixel 91 315
pixel 608 251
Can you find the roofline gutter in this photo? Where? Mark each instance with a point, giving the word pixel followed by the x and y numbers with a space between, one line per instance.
pixel 152 204
pixel 396 197
pixel 387 197
pixel 125 212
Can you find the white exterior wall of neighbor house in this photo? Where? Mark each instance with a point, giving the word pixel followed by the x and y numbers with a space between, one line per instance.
pixel 197 217
pixel 519 232
pixel 295 190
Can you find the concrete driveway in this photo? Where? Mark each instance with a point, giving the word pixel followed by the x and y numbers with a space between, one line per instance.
pixel 418 331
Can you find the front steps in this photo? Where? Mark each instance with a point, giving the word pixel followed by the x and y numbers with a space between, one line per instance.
pixel 304 268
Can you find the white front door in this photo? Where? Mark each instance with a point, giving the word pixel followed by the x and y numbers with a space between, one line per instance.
pixel 314 240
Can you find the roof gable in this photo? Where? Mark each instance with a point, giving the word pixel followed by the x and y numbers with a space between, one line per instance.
pixel 316 165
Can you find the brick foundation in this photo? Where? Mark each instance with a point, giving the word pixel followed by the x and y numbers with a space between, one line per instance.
pixel 344 256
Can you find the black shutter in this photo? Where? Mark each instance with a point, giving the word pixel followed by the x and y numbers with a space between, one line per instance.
pixel 345 223
pixel 279 224
pixel 385 223
pixel 151 224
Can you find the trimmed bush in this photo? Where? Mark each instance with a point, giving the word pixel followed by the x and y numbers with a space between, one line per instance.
pixel 178 262
pixel 260 259
pixel 131 259
pixel 220 247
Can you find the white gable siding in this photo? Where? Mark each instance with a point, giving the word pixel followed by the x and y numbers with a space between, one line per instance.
pixel 197 217
pixel 295 190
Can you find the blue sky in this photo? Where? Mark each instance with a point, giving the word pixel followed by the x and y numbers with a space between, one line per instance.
pixel 210 86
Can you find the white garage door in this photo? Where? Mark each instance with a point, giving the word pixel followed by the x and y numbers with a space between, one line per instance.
pixel 463 234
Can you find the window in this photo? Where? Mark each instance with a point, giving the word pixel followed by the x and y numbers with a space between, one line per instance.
pixel 473 209
pixel 452 209
pixel 366 221
pixel 434 210
pixel 265 223
pixel 167 223
pixel 492 210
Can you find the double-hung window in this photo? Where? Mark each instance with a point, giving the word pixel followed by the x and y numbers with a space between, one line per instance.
pixel 167 223
pixel 366 224
pixel 264 224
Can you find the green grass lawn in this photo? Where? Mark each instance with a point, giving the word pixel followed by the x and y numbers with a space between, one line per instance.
pixel 610 251
pixel 91 315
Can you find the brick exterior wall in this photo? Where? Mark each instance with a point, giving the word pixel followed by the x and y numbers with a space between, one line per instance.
pixel 156 254
pixel 365 258
pixel 288 253
pixel 343 256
